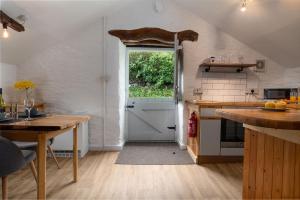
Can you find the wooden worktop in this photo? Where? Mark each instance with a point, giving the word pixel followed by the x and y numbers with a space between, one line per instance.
pixel 50 123
pixel 217 104
pixel 289 119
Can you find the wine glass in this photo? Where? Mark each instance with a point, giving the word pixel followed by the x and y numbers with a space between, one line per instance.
pixel 29 104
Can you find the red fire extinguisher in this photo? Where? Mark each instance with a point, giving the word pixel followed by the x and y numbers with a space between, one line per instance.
pixel 192 127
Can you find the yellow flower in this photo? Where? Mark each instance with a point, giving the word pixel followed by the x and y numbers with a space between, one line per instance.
pixel 24 85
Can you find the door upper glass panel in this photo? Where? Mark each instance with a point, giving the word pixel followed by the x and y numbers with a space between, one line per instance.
pixel 151 74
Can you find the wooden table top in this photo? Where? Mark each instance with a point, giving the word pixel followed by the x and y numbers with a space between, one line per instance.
pixel 49 123
pixel 289 119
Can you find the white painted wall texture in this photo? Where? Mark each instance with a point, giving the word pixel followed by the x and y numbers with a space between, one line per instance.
pixel 71 76
pixel 7 78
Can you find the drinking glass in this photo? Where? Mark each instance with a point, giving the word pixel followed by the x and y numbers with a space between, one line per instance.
pixel 29 104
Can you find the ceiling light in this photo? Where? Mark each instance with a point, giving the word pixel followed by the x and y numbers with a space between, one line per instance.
pixel 5 32
pixel 244 6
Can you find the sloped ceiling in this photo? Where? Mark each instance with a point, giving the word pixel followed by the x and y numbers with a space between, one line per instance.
pixel 271 27
pixel 49 22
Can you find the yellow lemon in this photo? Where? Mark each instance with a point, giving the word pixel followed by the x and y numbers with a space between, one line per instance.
pixel 280 105
pixel 270 104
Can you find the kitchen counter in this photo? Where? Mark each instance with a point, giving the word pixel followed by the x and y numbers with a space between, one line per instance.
pixel 289 119
pixel 204 103
pixel 206 146
pixel 218 104
pixel 271 152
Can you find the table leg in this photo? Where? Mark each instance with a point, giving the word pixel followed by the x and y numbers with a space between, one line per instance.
pixel 41 163
pixel 4 187
pixel 75 154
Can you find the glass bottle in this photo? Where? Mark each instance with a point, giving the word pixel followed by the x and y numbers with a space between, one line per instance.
pixel 293 97
pixel 2 103
pixel 298 95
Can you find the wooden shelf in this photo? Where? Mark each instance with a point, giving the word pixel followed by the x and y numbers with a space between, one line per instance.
pixel 239 67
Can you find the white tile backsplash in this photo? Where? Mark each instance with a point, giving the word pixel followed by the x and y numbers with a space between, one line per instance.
pixel 235 81
pixel 217 86
pixel 224 86
pixel 218 98
pixel 207 86
pixel 229 98
pixel 239 98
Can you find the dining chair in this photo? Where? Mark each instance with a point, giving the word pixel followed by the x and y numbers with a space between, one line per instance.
pixel 33 146
pixel 13 159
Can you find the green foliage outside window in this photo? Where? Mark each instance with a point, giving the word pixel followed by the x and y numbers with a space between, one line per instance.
pixel 151 74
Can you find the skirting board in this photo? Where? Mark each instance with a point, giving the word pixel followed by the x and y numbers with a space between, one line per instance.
pixel 65 154
pixel 193 156
pixel 120 147
pixel 107 147
pixel 181 145
pixel 219 159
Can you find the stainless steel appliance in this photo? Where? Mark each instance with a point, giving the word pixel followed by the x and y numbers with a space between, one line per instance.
pixel 232 134
pixel 278 93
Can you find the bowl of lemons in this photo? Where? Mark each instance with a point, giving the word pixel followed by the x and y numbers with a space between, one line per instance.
pixel 275 106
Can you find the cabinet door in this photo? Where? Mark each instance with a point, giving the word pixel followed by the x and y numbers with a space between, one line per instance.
pixel 210 137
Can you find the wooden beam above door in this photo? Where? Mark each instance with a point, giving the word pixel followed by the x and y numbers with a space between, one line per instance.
pixel 155 37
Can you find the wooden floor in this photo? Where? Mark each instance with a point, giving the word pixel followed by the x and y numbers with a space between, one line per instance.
pixel 100 178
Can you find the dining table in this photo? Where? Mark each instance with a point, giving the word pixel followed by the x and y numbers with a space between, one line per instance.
pixel 40 130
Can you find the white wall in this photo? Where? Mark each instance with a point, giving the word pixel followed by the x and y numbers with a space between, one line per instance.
pixel 86 72
pixel 7 80
pixel 69 76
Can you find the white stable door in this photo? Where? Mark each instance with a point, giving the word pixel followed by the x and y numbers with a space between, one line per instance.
pixel 151 119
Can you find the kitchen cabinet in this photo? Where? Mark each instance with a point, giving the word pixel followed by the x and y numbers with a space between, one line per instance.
pixel 210 137
pixel 206 147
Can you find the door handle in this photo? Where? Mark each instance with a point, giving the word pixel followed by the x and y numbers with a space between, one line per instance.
pixel 130 106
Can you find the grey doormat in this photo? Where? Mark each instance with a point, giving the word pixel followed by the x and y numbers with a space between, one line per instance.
pixel 153 154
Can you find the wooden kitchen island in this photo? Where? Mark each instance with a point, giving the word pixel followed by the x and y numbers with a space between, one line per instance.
pixel 271 154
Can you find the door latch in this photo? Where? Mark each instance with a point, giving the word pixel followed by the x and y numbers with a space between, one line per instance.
pixel 172 127
pixel 130 106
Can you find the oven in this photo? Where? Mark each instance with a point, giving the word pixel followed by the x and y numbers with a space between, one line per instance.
pixel 232 134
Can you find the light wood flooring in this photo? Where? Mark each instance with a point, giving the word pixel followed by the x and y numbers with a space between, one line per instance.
pixel 100 178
